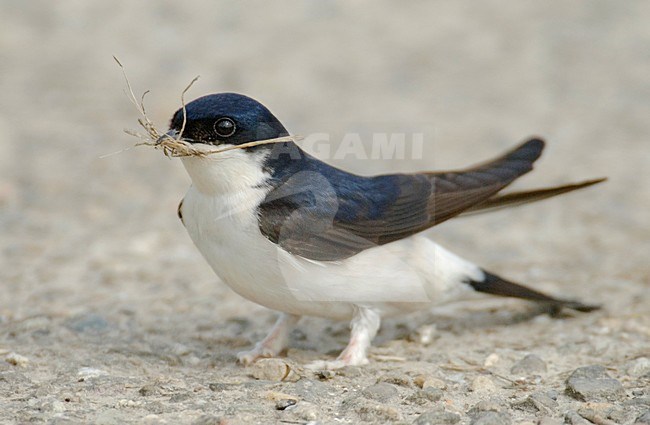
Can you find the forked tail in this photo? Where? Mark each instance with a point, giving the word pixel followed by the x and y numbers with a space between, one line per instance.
pixel 495 285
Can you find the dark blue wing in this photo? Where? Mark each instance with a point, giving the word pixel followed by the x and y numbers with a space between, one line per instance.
pixel 322 213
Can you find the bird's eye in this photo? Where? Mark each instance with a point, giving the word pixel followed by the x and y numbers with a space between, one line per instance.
pixel 225 127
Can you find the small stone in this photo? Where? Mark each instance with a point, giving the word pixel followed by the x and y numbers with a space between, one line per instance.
pixel 304 410
pixel 593 383
pixel 284 403
pixel 574 418
pixel 148 390
pixel 425 396
pixel 491 418
pixel 373 413
pixel 381 392
pixel 325 375
pixel 529 365
pixel 538 402
pixel 483 384
pixel 644 419
pixel 639 367
pixel 491 360
pixel 350 372
pixel 16 359
pixel 311 390
pixel 86 373
pixel 396 379
pixel 180 397
pixel 424 381
pixel 274 370
pixel 437 417
pixel 597 413
pixel 487 405
pixel 369 410
pixel 128 403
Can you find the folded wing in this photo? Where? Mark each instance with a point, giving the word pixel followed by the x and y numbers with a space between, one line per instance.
pixel 323 213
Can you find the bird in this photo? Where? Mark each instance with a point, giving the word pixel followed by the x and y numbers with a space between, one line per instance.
pixel 292 233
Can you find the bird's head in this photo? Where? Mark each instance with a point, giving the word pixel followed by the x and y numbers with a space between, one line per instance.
pixel 225 119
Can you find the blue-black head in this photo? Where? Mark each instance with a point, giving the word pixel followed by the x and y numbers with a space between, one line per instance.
pixel 227 118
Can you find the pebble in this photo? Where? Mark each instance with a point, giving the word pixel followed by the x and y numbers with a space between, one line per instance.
pixel 382 392
pixel 396 379
pixel 378 413
pixel 128 403
pixel 16 359
pixel 148 390
pixel 538 402
pixel 639 367
pixel 311 390
pixel 491 360
pixel 325 375
pixel 574 418
pixel 369 410
pixel 491 418
pixel 593 383
pixel 180 397
pixel 425 396
pixel 304 410
pixel 597 414
pixel 487 405
pixel 284 403
pixel 437 417
pixel 529 365
pixel 424 381
pixel 90 372
pixel 274 370
pixel 483 384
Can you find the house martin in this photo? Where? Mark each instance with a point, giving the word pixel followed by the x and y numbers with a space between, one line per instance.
pixel 294 234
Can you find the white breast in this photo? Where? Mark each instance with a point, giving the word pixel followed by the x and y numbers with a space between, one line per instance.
pixel 219 212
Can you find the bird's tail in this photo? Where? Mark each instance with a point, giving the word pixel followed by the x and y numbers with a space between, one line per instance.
pixel 514 199
pixel 495 285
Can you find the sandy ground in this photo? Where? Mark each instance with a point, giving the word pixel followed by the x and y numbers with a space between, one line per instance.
pixel 108 314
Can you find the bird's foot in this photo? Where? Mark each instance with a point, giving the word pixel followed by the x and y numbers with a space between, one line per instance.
pixel 355 352
pixel 273 344
pixel 258 352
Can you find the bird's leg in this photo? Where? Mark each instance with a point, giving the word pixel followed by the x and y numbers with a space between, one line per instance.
pixel 364 326
pixel 274 342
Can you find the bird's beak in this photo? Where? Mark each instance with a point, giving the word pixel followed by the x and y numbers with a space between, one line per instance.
pixel 171 134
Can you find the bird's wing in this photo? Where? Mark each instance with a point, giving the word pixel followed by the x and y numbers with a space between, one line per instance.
pixel 322 214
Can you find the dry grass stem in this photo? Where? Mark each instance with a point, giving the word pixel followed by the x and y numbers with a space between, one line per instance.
pixel 176 146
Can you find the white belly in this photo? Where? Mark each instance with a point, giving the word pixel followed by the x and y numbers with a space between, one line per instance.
pixel 402 276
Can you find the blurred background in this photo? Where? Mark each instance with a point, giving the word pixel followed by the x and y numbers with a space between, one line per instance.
pixel 82 232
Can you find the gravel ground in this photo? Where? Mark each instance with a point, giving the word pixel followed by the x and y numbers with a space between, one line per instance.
pixel 109 315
